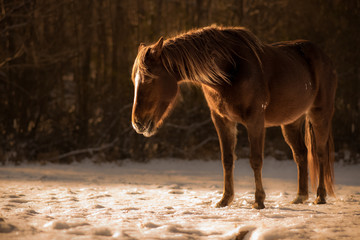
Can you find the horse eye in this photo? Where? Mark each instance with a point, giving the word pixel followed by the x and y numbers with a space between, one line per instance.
pixel 149 80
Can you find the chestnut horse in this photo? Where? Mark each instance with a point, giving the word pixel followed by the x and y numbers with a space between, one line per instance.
pixel 287 84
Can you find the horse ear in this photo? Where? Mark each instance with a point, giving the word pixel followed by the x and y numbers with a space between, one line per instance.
pixel 141 46
pixel 157 48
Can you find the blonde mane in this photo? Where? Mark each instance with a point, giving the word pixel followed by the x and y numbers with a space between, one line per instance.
pixel 195 55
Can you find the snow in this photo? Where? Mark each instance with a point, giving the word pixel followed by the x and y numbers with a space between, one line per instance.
pixel 169 199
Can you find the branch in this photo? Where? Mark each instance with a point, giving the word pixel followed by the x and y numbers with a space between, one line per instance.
pixel 18 53
pixel 191 150
pixel 209 139
pixel 4 77
pixel 112 124
pixel 13 27
pixel 81 151
pixel 192 126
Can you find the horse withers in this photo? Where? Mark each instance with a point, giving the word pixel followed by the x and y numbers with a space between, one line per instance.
pixel 287 84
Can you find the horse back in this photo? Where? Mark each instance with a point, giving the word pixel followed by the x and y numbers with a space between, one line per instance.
pixel 317 62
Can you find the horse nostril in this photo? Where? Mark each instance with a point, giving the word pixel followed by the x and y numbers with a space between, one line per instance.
pixel 138 125
pixel 142 126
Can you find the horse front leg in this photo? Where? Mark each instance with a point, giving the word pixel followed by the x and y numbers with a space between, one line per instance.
pixel 226 131
pixel 256 134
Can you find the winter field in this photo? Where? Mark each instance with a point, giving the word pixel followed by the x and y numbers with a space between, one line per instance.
pixel 169 199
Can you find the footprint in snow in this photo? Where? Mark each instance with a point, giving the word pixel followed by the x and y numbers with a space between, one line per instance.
pixel 151 225
pixel 136 192
pixel 130 209
pixel 244 232
pixel 76 232
pixel 241 235
pixel 10 205
pixel 100 196
pixel 6 227
pixel 17 200
pixel 60 225
pixel 102 231
pixel 71 192
pixel 74 199
pixel 181 230
pixel 175 186
pixel 16 196
pixel 98 206
pixel 176 192
pixel 31 212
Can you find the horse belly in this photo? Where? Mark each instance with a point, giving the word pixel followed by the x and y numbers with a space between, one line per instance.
pixel 287 104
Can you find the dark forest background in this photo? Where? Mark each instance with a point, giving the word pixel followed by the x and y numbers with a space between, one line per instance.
pixel 65 88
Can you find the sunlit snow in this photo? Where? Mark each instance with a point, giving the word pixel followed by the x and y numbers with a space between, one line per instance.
pixel 169 199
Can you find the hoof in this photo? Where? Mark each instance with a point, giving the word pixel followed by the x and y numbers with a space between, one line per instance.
pixel 320 200
pixel 224 202
pixel 299 199
pixel 258 205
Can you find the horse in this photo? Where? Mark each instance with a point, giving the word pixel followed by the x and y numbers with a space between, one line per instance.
pixel 289 84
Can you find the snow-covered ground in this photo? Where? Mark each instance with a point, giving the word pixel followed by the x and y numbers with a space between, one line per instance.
pixel 169 199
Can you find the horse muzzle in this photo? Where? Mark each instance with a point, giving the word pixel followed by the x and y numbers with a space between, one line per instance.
pixel 147 129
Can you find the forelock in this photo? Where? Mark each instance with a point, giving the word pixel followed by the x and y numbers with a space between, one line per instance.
pixel 140 63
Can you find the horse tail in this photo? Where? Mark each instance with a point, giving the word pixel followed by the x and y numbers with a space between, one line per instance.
pixel 329 169
pixel 313 164
pixel 313 160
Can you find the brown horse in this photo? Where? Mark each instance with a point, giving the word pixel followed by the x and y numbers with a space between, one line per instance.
pixel 245 81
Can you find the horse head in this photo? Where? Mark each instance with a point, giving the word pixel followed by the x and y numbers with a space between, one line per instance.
pixel 155 90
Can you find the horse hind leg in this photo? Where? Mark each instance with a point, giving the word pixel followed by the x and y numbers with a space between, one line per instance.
pixel 294 137
pixel 321 159
pixel 318 123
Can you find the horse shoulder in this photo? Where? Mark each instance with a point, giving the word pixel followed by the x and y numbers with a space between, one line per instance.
pixel 214 100
pixel 238 103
